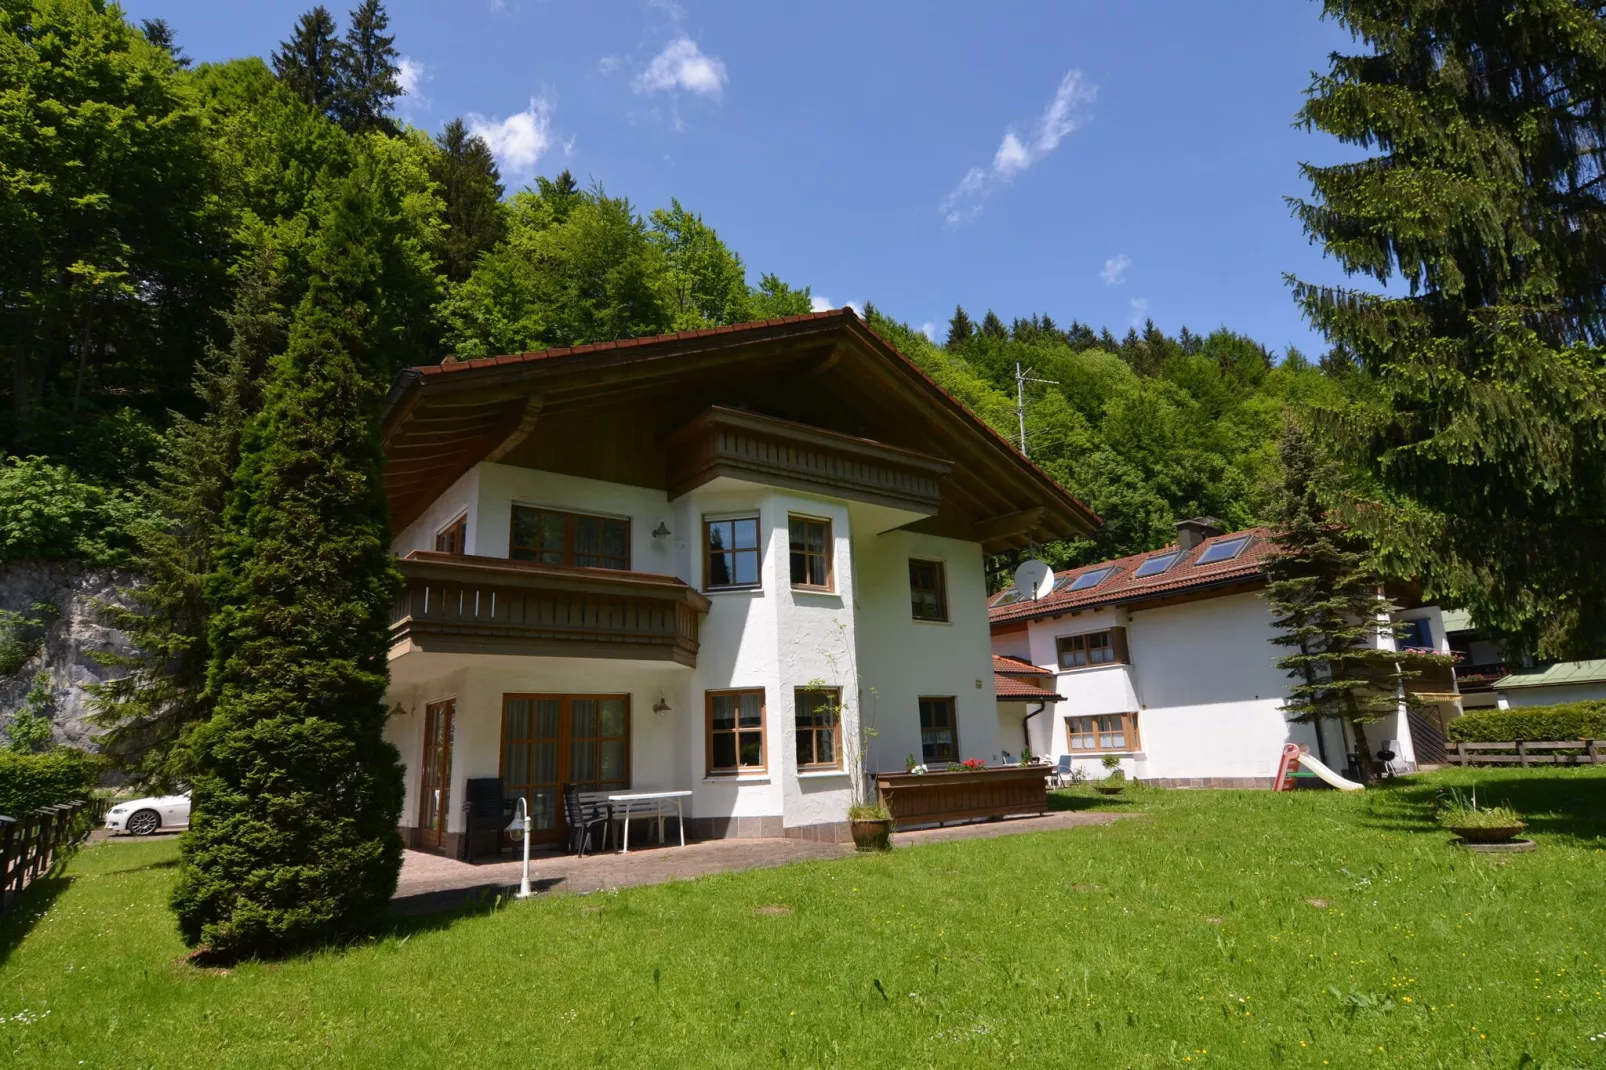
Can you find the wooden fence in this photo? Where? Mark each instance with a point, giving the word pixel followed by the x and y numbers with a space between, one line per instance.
pixel 32 844
pixel 1526 752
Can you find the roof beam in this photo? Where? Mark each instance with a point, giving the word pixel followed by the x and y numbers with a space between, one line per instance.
pixel 525 423
pixel 1023 522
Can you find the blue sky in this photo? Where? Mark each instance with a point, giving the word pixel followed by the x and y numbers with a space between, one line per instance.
pixel 1092 160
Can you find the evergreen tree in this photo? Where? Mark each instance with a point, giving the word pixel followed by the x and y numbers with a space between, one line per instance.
pixel 1328 605
pixel 160 34
pixel 560 194
pixel 368 78
pixel 293 836
pixel 471 186
pixel 993 327
pixel 1485 437
pixel 1080 336
pixel 774 298
pixel 150 712
pixel 960 328
pixel 313 62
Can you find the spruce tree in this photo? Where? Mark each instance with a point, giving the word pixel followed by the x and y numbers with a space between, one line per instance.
pixel 160 34
pixel 471 187
pixel 368 84
pixel 293 836
pixel 313 62
pixel 1328 604
pixel 1484 435
pixel 993 327
pixel 150 710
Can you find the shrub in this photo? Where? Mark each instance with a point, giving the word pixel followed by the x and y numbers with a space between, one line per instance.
pixel 1571 720
pixel 47 512
pixel 29 781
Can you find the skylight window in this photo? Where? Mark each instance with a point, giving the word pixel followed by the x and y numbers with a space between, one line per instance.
pixel 1009 597
pixel 1156 564
pixel 1225 550
pixel 1089 580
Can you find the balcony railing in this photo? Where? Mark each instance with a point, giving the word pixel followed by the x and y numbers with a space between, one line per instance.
pixel 1474 679
pixel 487 605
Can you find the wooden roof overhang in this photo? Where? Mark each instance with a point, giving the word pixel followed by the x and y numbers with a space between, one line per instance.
pixel 611 411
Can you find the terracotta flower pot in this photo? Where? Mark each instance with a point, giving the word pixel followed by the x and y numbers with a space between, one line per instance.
pixel 1481 834
pixel 872 835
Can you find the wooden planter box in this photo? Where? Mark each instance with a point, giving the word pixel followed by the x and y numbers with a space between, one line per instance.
pixel 937 798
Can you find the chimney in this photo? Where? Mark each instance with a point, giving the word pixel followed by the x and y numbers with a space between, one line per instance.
pixel 1191 533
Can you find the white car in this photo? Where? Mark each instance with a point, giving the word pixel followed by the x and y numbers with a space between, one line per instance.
pixel 142 817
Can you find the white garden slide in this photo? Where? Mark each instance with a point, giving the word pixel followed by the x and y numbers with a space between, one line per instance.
pixel 1307 762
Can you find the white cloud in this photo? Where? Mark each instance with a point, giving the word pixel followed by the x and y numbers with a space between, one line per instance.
pixel 825 304
pixel 410 76
pixel 682 65
pixel 1140 310
pixel 929 329
pixel 1114 273
pixel 1063 115
pixel 608 64
pixel 519 140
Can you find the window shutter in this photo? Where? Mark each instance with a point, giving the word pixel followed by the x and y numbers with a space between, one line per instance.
pixel 1121 654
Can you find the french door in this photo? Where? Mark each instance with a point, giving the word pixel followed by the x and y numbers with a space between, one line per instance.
pixel 552 740
pixel 436 765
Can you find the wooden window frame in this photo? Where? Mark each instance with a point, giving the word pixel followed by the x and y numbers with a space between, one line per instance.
pixel 835 698
pixel 564 742
pixel 941 590
pixel 457 528
pixel 757 550
pixel 827 557
pixel 1129 728
pixel 953 726
pixel 738 770
pixel 569 551
pixel 1117 648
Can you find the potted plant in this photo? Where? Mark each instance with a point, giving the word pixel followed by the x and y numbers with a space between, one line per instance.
pixel 1115 782
pixel 1475 824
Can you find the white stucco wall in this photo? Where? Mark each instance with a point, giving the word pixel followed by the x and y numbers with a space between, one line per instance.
pixel 1519 697
pixel 859 637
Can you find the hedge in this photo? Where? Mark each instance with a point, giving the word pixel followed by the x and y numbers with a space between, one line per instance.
pixel 29 781
pixel 1570 720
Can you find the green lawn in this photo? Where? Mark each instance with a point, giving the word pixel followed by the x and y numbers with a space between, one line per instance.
pixel 1231 929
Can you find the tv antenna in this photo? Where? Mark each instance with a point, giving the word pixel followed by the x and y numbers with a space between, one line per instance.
pixel 1022 377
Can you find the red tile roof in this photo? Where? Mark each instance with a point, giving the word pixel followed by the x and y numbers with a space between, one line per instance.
pixel 1013 666
pixel 1010 689
pixel 1121 586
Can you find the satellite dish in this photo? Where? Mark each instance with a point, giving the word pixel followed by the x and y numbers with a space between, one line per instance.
pixel 1034 579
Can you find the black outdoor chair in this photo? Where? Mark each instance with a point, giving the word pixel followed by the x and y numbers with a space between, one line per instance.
pixel 582 818
pixel 488 814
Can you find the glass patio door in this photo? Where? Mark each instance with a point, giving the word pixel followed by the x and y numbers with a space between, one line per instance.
pixel 436 766
pixel 552 740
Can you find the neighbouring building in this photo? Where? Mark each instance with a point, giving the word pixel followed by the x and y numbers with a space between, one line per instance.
pixel 700 561
pixel 1165 661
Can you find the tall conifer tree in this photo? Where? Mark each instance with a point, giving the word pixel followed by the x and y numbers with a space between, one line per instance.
pixel 1486 196
pixel 313 62
pixel 369 78
pixel 1328 605
pixel 150 711
pixel 293 838
pixel 471 187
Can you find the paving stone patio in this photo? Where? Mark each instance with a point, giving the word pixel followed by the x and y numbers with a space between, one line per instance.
pixel 431 882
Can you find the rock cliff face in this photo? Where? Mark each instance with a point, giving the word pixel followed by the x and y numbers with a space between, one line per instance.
pixel 70 632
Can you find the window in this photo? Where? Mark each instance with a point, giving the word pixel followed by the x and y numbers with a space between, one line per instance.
pixel 1087 580
pixel 453 537
pixel 811 552
pixel 939 740
pixel 1091 648
pixel 818 726
pixel 928 593
pixel 1224 550
pixel 1415 634
pixel 735 731
pixel 552 740
pixel 1156 565
pixel 555 538
pixel 732 552
pixel 1094 735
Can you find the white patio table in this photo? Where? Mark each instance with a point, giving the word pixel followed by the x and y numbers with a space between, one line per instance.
pixel 657 797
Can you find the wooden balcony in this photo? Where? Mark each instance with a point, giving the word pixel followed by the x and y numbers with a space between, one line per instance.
pixel 763 449
pixel 1432 683
pixel 487 605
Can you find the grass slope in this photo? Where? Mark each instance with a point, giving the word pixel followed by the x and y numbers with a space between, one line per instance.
pixel 1233 929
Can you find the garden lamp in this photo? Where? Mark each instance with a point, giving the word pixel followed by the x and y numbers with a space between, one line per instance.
pixel 521 827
